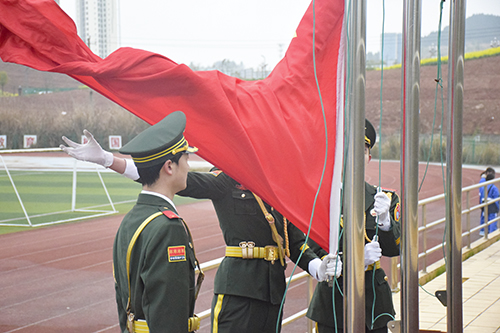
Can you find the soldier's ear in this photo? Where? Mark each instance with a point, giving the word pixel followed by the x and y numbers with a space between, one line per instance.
pixel 168 167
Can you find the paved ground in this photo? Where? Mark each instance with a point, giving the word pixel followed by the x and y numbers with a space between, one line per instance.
pixel 481 295
pixel 59 278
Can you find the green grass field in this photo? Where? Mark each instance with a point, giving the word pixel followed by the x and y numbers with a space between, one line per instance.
pixel 46 196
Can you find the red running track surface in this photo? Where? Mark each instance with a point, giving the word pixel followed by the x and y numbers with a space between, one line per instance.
pixel 59 278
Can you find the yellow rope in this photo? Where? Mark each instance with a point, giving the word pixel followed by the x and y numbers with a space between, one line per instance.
pixel 277 238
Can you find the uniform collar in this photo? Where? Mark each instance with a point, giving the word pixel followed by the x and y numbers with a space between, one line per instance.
pixel 167 199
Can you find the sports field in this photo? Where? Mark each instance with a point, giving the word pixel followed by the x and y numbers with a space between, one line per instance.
pixel 47 195
pixel 44 193
pixel 59 278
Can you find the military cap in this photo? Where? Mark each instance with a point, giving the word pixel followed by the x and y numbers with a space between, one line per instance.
pixel 370 134
pixel 160 142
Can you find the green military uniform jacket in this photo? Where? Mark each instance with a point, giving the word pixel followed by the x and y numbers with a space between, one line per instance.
pixel 321 308
pixel 241 219
pixel 162 267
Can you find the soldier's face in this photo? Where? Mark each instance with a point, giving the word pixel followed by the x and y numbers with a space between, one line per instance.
pixel 368 156
pixel 183 169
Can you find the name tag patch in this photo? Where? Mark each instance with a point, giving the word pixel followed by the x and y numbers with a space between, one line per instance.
pixel 176 253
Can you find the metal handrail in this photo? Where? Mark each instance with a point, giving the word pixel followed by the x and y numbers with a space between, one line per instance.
pixel 215 263
pixel 425 226
pixel 423 229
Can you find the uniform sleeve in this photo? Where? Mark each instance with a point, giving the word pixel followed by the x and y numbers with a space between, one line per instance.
pixel 166 276
pixel 390 240
pixel 297 243
pixel 313 246
pixel 206 185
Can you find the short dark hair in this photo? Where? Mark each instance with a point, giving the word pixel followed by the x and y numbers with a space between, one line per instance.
pixel 490 173
pixel 149 176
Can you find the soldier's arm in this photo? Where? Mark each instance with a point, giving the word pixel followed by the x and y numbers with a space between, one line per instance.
pixel 206 185
pixel 297 243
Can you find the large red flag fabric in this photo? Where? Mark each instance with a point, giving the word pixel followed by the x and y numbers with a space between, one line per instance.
pixel 276 136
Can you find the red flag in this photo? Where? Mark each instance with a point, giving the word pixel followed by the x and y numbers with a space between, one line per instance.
pixel 269 135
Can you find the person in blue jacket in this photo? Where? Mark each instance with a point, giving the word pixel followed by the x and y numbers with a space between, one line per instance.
pixel 492 194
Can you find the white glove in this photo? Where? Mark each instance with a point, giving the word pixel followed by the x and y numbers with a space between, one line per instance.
pixel 373 253
pixel 381 208
pixel 333 265
pixel 89 152
pixel 330 265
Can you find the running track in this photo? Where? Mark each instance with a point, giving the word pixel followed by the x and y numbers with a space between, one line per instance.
pixel 59 278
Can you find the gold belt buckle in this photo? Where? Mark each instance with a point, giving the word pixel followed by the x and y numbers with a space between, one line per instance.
pixel 247 249
pixel 130 321
pixel 271 253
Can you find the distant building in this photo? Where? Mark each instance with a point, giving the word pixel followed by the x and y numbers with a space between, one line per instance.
pixel 98 25
pixel 392 48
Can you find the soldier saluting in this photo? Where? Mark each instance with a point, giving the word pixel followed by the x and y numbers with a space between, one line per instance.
pixel 250 282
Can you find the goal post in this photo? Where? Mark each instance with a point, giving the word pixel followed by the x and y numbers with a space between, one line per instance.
pixel 41 195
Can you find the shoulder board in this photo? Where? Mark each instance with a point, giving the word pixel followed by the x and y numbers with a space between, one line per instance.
pixel 388 190
pixel 170 214
pixel 216 172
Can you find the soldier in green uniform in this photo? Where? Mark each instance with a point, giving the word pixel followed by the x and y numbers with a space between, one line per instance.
pixel 153 255
pixel 385 205
pixel 250 282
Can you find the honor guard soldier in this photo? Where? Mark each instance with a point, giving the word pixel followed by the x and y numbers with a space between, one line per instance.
pixel 153 254
pixel 382 237
pixel 250 282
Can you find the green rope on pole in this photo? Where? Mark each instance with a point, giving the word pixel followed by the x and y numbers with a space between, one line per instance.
pixel 439 87
pixel 324 163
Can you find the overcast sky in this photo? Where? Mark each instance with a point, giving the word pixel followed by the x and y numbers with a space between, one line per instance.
pixel 252 32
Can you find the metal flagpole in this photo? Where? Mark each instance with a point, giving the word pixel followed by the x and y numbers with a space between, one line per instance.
pixel 454 166
pixel 354 186
pixel 409 164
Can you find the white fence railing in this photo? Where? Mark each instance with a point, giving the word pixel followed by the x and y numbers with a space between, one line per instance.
pixel 427 228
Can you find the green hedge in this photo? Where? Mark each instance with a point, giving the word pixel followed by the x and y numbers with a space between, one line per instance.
pixel 49 128
pixel 473 151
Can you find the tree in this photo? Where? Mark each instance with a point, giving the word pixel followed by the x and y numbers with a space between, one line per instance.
pixel 4 78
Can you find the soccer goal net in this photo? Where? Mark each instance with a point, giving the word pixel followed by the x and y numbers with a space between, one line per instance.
pixel 42 187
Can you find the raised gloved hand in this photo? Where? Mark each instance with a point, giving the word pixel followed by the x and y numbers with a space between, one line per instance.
pixel 330 266
pixel 381 208
pixel 373 253
pixel 89 152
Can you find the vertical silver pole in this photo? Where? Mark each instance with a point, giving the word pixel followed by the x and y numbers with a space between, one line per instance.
pixel 354 187
pixel 310 292
pixel 73 189
pixel 409 165
pixel 454 166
